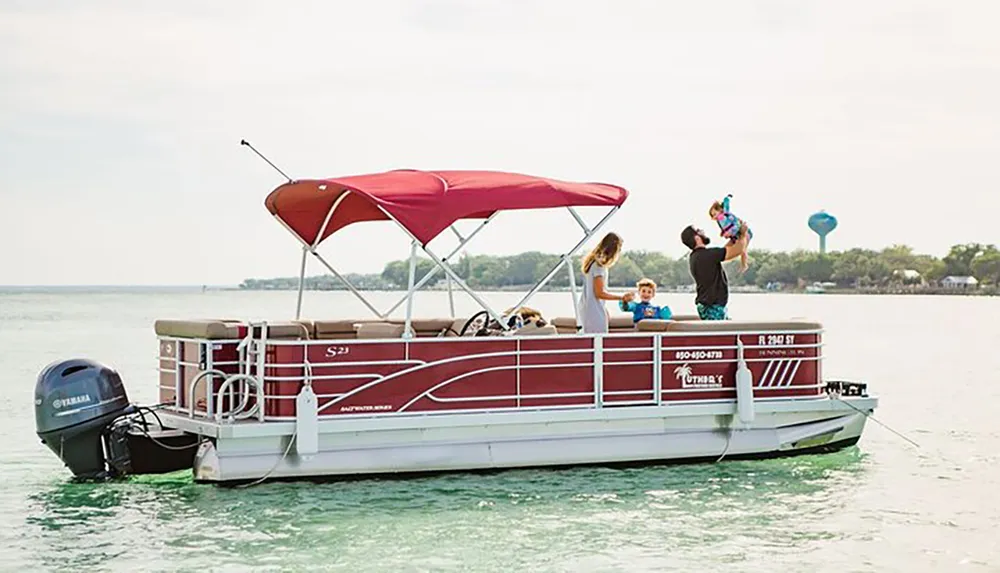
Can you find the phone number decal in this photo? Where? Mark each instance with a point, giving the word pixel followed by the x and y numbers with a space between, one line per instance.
pixel 699 354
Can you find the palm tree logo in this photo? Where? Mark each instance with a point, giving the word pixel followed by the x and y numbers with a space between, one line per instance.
pixel 683 372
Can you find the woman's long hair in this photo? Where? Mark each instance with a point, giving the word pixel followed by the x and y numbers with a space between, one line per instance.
pixel 605 253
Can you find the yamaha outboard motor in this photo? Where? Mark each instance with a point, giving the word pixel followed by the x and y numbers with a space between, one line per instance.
pixel 76 401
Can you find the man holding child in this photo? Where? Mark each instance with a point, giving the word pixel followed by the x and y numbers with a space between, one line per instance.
pixel 711 282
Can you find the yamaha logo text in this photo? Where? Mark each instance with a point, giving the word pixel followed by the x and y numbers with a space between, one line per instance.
pixel 71 401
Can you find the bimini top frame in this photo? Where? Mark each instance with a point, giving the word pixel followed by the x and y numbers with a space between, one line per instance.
pixel 424 204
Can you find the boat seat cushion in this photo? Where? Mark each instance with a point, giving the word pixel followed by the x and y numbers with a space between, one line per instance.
pixel 619 323
pixel 204 328
pixel 338 329
pixel 564 325
pixel 379 330
pixel 224 330
pixel 532 330
pixel 652 325
pixel 337 336
pixel 348 328
pixel 288 330
pixel 685 317
pixel 427 326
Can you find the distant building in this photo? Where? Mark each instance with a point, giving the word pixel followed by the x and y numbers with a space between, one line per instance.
pixel 908 276
pixel 959 282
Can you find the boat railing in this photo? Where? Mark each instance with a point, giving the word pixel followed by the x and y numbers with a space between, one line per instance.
pixel 243 388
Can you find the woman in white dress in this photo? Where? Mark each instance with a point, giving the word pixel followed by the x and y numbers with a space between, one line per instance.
pixel 593 314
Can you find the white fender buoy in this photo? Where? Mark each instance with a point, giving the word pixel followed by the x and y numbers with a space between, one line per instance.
pixel 744 386
pixel 306 421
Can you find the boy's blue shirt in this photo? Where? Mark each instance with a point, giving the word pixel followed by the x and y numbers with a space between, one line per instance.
pixel 641 310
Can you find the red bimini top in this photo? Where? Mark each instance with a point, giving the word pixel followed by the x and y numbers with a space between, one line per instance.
pixel 424 202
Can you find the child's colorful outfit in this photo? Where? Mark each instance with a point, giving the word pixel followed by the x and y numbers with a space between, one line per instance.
pixel 730 224
pixel 641 310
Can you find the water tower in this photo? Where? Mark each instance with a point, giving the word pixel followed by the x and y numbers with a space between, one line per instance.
pixel 822 224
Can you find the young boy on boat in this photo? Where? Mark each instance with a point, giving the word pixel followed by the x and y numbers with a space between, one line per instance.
pixel 644 308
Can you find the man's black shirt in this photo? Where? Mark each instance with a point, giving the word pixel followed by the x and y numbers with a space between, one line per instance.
pixel 706 268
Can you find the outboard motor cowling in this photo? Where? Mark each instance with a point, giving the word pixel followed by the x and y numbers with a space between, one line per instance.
pixel 75 402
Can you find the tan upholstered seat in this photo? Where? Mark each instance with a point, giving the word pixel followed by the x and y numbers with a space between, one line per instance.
pixel 565 324
pixel 289 330
pixel 532 330
pixel 619 323
pixel 338 329
pixel 426 327
pixel 725 326
pixel 379 330
pixel 223 330
pixel 685 317
pixel 656 325
pixel 204 328
pixel 350 328
pixel 456 327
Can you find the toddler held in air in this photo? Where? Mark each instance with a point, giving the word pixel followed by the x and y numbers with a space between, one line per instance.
pixel 731 226
pixel 644 308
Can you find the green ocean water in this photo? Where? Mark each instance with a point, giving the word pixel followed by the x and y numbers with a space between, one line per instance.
pixel 884 505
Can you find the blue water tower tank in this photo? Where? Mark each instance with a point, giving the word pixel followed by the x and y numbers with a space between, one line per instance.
pixel 822 224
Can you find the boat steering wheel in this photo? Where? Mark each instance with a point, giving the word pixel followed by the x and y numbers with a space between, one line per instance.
pixel 479 320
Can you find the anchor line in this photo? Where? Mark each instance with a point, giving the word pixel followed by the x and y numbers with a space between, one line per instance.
pixel 729 440
pixel 876 420
pixel 276 464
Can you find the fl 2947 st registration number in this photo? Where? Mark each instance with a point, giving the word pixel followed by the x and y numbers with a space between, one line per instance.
pixel 775 339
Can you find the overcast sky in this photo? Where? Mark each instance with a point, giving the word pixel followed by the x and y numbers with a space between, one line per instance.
pixel 120 122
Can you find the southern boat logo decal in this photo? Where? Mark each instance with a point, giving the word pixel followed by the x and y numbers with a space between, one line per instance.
pixel 333 351
pixel 71 401
pixel 689 380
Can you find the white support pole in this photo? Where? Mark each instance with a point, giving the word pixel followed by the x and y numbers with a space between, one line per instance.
pixel 435 269
pixel 658 368
pixel 572 290
pixel 451 291
pixel 599 371
pixel 330 268
pixel 329 215
pixel 458 280
pixel 448 270
pixel 302 282
pixel 348 284
pixel 538 286
pixel 579 220
pixel 408 330
pixel 451 297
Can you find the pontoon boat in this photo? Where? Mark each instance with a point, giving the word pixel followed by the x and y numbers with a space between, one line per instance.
pixel 243 401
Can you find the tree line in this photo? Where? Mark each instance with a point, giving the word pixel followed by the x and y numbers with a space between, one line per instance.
pixel 853 268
